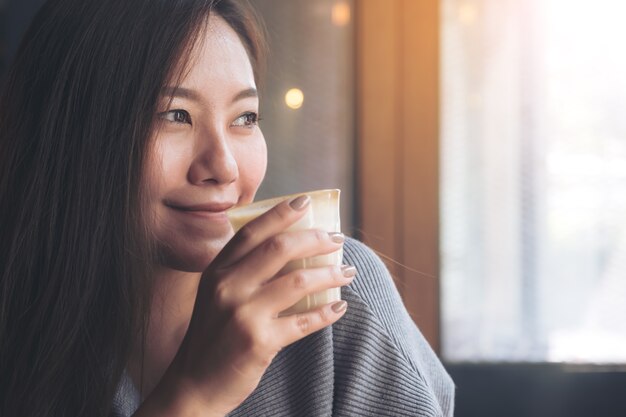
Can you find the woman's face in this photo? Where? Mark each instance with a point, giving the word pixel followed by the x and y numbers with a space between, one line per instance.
pixel 208 152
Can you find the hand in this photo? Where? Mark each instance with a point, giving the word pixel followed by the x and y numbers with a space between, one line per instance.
pixel 235 330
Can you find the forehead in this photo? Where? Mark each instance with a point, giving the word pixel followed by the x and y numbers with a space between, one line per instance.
pixel 218 55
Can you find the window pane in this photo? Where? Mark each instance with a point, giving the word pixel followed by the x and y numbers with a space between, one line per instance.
pixel 534 180
pixel 309 146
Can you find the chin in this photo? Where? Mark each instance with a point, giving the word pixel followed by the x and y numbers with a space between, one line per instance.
pixel 195 259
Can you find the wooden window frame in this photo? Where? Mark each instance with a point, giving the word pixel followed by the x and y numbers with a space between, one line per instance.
pixel 397 124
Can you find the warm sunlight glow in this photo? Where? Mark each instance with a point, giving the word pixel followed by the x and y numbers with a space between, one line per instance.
pixel 294 98
pixel 467 13
pixel 340 14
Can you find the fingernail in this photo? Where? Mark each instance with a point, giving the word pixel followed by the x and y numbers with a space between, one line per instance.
pixel 348 271
pixel 339 306
pixel 300 202
pixel 337 237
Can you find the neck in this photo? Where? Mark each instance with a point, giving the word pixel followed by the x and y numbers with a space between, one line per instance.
pixel 172 306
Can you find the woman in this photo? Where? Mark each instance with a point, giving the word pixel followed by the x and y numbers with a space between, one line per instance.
pixel 126 131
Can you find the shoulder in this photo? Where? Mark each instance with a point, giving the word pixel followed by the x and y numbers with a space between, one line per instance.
pixel 374 292
pixel 378 329
pixel 361 253
pixel 374 284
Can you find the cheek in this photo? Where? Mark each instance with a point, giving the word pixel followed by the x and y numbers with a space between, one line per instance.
pixel 252 166
pixel 166 165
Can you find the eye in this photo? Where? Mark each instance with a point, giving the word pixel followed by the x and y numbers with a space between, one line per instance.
pixel 176 116
pixel 247 120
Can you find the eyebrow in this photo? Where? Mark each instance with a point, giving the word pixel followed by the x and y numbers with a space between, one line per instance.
pixel 180 92
pixel 187 93
pixel 248 92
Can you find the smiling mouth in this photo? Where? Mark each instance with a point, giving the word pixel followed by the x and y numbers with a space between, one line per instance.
pixel 212 211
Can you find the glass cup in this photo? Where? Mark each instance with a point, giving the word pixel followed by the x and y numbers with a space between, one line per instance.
pixel 322 213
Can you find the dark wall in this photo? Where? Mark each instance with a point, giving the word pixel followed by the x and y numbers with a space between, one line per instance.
pixel 538 390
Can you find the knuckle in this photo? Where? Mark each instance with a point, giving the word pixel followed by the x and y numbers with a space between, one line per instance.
pixel 242 317
pixel 223 295
pixel 337 273
pixel 303 323
pixel 298 280
pixel 277 244
pixel 324 317
pixel 254 334
pixel 320 235
pixel 245 328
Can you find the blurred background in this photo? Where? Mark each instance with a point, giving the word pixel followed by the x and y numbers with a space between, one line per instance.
pixel 480 146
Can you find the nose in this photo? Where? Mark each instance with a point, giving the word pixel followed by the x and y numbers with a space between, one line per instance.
pixel 214 162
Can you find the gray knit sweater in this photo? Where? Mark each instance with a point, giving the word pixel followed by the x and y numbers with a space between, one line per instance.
pixel 372 362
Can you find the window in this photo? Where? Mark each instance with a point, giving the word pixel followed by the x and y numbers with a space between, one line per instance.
pixel 533 124
pixel 460 157
pixel 307 99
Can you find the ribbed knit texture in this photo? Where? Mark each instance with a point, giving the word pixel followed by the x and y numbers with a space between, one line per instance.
pixel 372 362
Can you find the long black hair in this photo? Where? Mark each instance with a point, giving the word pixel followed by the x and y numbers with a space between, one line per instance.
pixel 76 116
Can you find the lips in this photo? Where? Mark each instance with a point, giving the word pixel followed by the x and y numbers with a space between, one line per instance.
pixel 211 210
pixel 208 207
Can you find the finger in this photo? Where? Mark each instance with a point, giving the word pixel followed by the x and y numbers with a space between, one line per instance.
pixel 239 282
pixel 284 291
pixel 271 256
pixel 297 326
pixel 274 221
